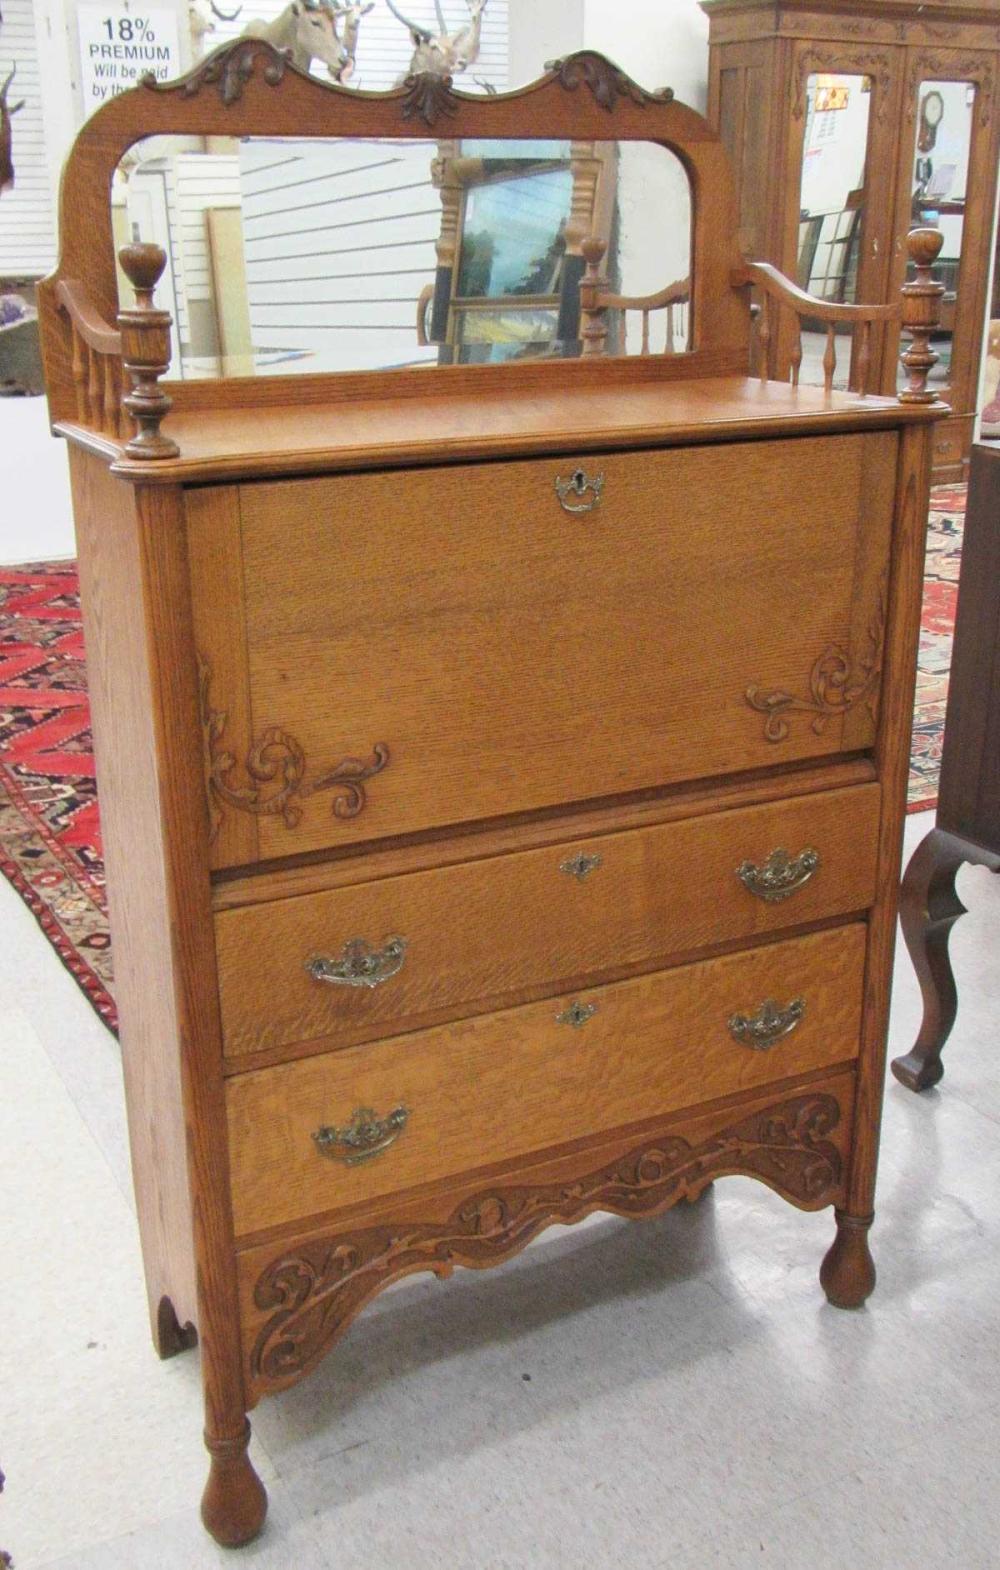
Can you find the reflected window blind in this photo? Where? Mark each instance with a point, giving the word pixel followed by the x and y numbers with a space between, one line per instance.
pixel 27 219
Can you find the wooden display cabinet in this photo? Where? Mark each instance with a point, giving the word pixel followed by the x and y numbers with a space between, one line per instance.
pixel 772 64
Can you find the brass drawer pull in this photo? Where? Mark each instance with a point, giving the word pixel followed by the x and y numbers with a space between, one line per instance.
pixel 365 1137
pixel 359 964
pixel 780 876
pixel 577 1015
pixel 761 1030
pixel 578 486
pixel 581 866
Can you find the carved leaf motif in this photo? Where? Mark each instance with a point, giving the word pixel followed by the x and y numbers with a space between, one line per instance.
pixel 274 758
pixel 313 1294
pixel 835 686
pixel 428 97
pixel 229 68
pixel 606 81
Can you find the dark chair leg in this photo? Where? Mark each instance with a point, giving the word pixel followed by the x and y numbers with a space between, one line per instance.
pixel 928 909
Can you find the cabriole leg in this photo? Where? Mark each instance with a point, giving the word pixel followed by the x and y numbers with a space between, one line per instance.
pixel 928 909
pixel 234 1503
pixel 847 1274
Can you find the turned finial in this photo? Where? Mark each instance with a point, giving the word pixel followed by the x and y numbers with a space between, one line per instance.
pixel 921 315
pixel 593 315
pixel 146 352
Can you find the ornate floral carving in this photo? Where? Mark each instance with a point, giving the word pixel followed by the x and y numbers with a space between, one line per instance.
pixel 835 685
pixel 312 1294
pixel 976 69
pixel 229 68
pixel 428 97
pixel 606 81
pixel 876 64
pixel 275 759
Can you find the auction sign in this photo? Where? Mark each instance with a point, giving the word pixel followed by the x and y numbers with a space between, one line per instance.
pixel 121 43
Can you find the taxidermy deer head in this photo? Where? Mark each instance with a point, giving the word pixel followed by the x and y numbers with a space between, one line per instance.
pixel 6 139
pixel 444 53
pixel 351 16
pixel 201 21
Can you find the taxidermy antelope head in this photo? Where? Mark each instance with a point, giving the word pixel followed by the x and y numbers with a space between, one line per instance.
pixel 444 53
pixel 200 22
pixel 351 16
pixel 6 139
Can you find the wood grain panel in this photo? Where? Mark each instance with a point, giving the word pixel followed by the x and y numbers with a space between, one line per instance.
pixel 121 689
pixel 217 598
pixel 513 657
pixel 517 1081
pixel 485 934
pixel 794 1137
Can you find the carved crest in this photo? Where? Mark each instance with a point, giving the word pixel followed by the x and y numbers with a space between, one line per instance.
pixel 229 68
pixel 606 81
pixel 428 97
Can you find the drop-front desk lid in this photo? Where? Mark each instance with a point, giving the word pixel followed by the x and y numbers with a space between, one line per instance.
pixel 311 438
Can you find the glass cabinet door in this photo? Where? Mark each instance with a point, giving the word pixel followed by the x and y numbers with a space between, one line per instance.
pixel 845 101
pixel 938 172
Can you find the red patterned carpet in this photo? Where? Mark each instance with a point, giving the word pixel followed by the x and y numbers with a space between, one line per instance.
pixel 944 556
pixel 50 837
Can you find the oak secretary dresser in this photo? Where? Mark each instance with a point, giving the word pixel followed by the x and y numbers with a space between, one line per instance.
pixel 501 768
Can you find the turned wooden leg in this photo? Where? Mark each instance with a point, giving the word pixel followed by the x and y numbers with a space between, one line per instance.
pixel 234 1503
pixel 928 909
pixel 170 1337
pixel 847 1274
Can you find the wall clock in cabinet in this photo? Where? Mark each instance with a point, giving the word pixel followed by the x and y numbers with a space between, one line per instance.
pixel 849 124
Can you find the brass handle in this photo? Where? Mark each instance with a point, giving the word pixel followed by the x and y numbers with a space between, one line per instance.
pixel 581 866
pixel 366 1136
pixel 780 876
pixel 359 964
pixel 577 1015
pixel 761 1030
pixel 577 486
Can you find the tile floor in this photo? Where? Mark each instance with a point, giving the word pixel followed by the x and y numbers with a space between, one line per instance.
pixel 674 1393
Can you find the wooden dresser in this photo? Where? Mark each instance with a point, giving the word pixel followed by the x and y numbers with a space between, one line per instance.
pixel 501 768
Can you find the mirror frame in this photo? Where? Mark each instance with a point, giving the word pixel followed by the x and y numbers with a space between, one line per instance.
pixel 247 88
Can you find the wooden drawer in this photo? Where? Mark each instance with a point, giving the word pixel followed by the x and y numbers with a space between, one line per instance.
pixel 388 653
pixel 481 935
pixel 504 1085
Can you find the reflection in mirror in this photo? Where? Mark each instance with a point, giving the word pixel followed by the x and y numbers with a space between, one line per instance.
pixel 940 178
pixel 290 256
pixel 832 204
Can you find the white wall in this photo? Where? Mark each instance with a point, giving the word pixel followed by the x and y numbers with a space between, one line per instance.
pixel 661 43
pixel 36 521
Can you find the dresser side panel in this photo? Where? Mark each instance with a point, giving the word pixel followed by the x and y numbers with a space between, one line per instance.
pixel 121 696
pixel 892 756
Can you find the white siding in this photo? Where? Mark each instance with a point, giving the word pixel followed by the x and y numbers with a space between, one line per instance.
pixel 339 241
pixel 385 48
pixel 27 221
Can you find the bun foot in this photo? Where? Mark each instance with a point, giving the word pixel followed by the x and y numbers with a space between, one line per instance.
pixel 234 1503
pixel 917 1071
pixel 847 1274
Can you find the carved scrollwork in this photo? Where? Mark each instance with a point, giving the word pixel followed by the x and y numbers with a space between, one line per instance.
pixel 229 68
pixel 875 64
pixel 606 81
pixel 275 766
pixel 976 68
pixel 836 684
pixel 429 97
pixel 312 1294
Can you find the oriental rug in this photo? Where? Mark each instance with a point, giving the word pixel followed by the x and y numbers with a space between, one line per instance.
pixel 50 836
